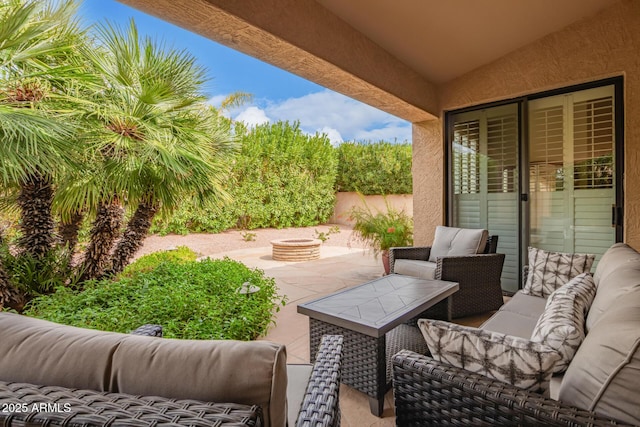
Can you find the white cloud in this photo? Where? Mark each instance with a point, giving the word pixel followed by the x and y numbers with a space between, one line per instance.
pixel 253 116
pixel 333 135
pixel 340 117
pixel 391 133
pixel 216 100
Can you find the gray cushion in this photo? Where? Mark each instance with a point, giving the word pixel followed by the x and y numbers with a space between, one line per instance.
pixel 525 305
pixel 617 274
pixel 415 268
pixel 520 362
pixel 39 352
pixel 452 241
pixel 298 376
pixel 508 323
pixel 251 372
pixel 518 317
pixel 605 372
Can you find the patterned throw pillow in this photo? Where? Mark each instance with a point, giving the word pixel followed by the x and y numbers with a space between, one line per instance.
pixel 561 325
pixel 514 360
pixel 550 270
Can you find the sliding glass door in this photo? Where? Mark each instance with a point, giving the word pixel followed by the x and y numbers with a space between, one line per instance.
pixel 567 196
pixel 572 171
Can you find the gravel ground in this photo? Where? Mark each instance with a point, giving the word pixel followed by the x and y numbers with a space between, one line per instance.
pixel 210 244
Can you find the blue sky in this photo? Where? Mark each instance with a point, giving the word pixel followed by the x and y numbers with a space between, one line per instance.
pixel 277 94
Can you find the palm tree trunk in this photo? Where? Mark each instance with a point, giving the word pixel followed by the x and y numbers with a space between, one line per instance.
pixel 68 230
pixel 134 236
pixel 9 295
pixel 36 220
pixel 105 231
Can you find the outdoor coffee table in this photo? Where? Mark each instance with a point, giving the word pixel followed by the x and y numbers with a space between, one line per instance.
pixel 363 315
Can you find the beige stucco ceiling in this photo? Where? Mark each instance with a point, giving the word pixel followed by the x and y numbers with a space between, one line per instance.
pixel 444 39
pixel 391 54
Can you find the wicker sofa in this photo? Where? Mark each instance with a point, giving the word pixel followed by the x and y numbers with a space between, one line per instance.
pixel 600 386
pixel 57 375
pixel 466 256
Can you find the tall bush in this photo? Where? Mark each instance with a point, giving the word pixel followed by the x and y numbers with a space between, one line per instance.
pixel 374 168
pixel 282 177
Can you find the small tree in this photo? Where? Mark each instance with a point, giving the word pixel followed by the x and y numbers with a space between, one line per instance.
pixel 155 142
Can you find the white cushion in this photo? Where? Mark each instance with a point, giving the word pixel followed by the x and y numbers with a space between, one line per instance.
pixel 451 241
pixel 517 361
pixel 550 270
pixel 415 268
pixel 561 325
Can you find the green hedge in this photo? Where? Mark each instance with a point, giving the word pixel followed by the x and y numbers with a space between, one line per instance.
pixel 282 177
pixel 374 168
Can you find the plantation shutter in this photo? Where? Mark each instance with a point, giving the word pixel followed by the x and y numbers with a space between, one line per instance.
pixel 571 172
pixel 485 179
pixel 502 189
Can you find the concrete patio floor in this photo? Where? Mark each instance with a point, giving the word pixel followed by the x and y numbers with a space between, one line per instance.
pixel 338 268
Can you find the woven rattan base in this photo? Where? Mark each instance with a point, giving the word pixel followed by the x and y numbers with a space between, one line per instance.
pixel 363 361
pixel 32 405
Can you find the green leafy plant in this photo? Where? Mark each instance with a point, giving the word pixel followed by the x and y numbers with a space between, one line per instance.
pixel 149 262
pixel 191 300
pixel 325 235
pixel 248 236
pixel 382 230
pixel 281 177
pixel 33 276
pixel 374 168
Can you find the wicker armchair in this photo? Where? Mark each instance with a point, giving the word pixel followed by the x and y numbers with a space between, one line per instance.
pixel 24 404
pixel 427 392
pixel 478 276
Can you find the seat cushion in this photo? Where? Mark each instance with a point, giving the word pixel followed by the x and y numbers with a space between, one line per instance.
pixel 605 372
pixel 452 241
pixel 550 270
pixel 520 362
pixel 415 268
pixel 298 378
pixel 518 317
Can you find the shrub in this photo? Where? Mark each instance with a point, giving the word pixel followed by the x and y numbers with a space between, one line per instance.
pixel 191 300
pixel 34 276
pixel 151 261
pixel 374 168
pixel 281 178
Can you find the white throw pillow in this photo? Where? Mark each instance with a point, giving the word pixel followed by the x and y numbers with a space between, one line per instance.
pixel 514 360
pixel 452 241
pixel 550 270
pixel 561 325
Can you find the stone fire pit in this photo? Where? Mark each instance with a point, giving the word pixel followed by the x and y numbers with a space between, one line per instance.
pixel 296 249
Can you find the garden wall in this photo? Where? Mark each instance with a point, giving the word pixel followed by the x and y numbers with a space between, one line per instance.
pixel 345 201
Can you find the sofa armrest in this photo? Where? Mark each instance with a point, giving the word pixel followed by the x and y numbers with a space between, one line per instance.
pixel 320 407
pixel 420 253
pixel 428 392
pixel 148 330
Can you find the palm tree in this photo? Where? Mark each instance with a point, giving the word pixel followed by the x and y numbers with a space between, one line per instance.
pixel 156 141
pixel 37 52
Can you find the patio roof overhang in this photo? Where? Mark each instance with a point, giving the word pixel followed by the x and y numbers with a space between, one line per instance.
pixel 391 55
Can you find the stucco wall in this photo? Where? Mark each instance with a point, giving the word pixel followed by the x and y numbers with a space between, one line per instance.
pixel 605 45
pixel 345 201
